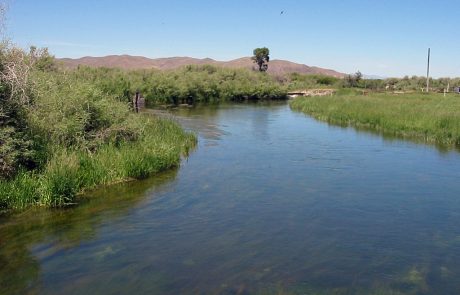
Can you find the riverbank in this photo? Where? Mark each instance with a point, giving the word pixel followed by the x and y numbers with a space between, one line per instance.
pixel 70 172
pixel 427 117
pixel 62 134
pixel 260 175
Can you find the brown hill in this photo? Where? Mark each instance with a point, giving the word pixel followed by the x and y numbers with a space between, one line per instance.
pixel 276 67
pixel 279 67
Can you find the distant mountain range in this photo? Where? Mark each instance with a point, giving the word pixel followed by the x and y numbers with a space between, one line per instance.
pixel 276 67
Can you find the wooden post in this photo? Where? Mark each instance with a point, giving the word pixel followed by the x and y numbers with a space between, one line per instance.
pixel 428 73
pixel 136 102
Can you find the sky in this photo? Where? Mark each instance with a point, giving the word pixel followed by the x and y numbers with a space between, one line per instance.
pixel 387 38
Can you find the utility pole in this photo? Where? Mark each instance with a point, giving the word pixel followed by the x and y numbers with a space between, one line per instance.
pixel 428 73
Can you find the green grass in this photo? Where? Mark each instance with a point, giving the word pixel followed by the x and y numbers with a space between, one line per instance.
pixel 70 172
pixel 427 117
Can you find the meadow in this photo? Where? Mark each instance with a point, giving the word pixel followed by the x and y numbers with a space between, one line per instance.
pixel 430 118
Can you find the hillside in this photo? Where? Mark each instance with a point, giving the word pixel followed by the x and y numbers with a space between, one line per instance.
pixel 276 67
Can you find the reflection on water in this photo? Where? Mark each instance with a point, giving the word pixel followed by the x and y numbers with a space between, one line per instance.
pixel 40 235
pixel 391 136
pixel 271 202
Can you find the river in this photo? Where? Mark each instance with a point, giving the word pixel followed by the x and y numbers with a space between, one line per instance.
pixel 270 202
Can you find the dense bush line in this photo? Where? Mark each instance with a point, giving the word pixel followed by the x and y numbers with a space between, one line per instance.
pixel 189 84
pixel 61 133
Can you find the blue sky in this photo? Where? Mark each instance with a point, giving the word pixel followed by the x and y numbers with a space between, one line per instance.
pixel 388 38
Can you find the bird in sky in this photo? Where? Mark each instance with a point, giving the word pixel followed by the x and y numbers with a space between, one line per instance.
pixel 282 12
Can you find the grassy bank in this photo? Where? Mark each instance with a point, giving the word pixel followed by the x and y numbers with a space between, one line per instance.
pixel 71 171
pixel 427 117
pixel 61 134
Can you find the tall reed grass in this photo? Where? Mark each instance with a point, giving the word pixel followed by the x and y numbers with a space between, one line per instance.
pixel 71 171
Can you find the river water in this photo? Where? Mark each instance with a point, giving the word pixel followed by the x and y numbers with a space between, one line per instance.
pixel 270 202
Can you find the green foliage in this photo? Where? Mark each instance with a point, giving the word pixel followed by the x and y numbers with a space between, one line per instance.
pixel 353 80
pixel 261 56
pixel 415 83
pixel 72 112
pixel 42 60
pixel 19 149
pixel 60 181
pixel 19 192
pixel 297 81
pixel 189 84
pixel 430 118
pixel 16 146
pixel 63 132
pixel 211 84
pixel 406 84
pixel 69 171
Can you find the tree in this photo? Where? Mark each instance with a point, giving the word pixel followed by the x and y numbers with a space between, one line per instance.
pixel 16 144
pixel 261 58
pixel 353 80
pixel 358 77
pixel 41 60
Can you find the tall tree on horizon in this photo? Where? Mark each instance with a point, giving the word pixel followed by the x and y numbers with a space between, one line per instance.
pixel 261 58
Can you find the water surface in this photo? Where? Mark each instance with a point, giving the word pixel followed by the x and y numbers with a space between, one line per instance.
pixel 271 202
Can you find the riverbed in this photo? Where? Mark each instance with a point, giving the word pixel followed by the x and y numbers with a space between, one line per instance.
pixel 270 202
